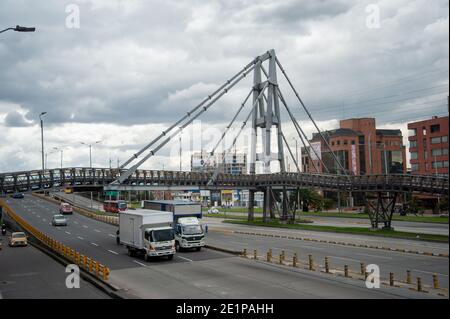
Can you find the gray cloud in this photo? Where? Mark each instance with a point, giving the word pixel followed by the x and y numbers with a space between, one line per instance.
pixel 16 119
pixel 149 62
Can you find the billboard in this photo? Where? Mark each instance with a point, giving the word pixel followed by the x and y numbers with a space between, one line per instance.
pixel 316 148
pixel 354 168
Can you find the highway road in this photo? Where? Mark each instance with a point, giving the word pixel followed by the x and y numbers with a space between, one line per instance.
pixel 415 245
pixel 28 273
pixel 412 227
pixel 205 274
pixel 415 227
pixel 388 261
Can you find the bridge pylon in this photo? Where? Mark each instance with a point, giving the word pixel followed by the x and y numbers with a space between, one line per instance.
pixel 265 118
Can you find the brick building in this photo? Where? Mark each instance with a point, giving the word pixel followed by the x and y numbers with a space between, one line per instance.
pixel 360 147
pixel 428 146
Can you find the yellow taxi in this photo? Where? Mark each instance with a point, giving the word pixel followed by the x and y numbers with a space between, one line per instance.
pixel 18 239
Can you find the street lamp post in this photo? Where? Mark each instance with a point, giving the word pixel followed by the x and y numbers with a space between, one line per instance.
pixel 90 151
pixel 18 28
pixel 42 138
pixel 181 151
pixel 61 150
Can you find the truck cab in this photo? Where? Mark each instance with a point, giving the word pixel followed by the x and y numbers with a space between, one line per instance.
pixel 159 242
pixel 189 233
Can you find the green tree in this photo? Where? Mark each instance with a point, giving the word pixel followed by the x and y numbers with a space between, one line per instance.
pixel 308 199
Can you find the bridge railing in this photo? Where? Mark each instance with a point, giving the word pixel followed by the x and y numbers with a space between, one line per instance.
pixel 102 176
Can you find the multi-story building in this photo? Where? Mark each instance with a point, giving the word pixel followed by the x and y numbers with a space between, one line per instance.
pixel 229 163
pixel 428 146
pixel 360 147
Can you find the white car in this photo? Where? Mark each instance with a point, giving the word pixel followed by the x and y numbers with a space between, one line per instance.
pixel 213 210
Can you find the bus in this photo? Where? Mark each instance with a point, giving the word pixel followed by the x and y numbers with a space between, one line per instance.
pixel 68 189
pixel 114 206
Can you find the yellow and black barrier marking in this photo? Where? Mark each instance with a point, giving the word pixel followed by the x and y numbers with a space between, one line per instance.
pixel 87 263
pixel 343 243
pixel 308 264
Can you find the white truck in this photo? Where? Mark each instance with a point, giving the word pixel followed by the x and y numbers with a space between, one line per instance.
pixel 189 234
pixel 147 232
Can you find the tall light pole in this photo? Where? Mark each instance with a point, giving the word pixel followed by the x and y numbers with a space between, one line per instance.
pixel 42 138
pixel 60 150
pixel 18 28
pixel 90 151
pixel 181 151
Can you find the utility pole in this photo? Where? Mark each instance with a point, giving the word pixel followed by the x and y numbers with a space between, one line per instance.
pixel 42 139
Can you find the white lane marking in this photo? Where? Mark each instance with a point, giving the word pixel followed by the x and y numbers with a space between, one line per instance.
pixel 80 237
pixel 94 244
pixel 187 259
pixel 67 233
pixel 312 247
pixel 38 216
pixel 374 256
pixel 139 263
pixel 96 230
pixel 343 258
pixel 33 213
pixel 75 222
pixel 429 272
pixel 44 219
pixel 85 226
pixel 112 235
pixel 113 252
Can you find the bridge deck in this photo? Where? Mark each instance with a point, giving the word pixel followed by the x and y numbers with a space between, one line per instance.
pixel 150 179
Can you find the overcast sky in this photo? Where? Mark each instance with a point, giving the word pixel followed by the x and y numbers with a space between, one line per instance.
pixel 131 68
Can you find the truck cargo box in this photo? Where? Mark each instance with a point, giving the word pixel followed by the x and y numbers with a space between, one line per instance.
pixel 178 208
pixel 133 222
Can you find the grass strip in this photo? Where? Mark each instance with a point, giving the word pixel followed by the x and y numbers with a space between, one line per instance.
pixel 346 230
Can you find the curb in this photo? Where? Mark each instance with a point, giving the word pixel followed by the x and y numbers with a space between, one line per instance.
pixel 342 243
pixel 224 250
pixel 282 261
pixel 105 287
pixel 102 285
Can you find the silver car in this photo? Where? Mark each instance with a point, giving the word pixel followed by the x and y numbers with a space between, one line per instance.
pixel 59 220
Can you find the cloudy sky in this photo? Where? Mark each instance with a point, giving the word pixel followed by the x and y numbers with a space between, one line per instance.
pixel 123 70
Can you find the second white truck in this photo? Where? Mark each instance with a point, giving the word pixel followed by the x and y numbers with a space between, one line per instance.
pixel 147 232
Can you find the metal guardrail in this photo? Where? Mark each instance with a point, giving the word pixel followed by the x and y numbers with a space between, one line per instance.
pixel 89 264
pixel 38 179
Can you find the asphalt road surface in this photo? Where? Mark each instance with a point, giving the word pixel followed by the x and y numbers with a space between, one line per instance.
pixel 339 255
pixel 435 247
pixel 411 227
pixel 28 273
pixel 205 274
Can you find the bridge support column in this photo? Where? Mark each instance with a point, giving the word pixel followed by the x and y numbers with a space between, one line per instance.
pixel 383 210
pixel 268 207
pixel 251 205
